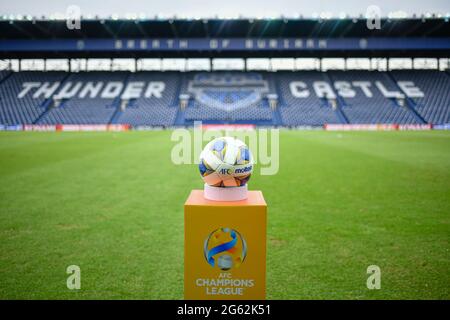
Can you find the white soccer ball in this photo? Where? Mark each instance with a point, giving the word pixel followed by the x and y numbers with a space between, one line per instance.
pixel 226 162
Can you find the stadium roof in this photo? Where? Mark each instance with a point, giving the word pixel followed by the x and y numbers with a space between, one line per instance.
pixel 424 28
pixel 106 28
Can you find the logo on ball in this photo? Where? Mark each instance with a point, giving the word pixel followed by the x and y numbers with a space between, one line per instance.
pixel 225 248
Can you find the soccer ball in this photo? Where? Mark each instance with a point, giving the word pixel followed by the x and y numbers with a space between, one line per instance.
pixel 226 162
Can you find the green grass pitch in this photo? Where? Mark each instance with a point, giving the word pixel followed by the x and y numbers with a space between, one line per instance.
pixel 112 203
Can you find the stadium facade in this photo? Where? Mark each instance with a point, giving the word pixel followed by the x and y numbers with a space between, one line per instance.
pixel 142 98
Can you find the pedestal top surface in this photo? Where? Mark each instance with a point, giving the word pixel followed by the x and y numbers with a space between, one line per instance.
pixel 196 198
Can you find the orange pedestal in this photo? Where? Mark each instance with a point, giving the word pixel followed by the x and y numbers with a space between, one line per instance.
pixel 225 248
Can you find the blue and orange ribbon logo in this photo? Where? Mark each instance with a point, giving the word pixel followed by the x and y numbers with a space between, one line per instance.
pixel 225 248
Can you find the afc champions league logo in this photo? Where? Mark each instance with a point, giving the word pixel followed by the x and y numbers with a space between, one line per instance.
pixel 225 248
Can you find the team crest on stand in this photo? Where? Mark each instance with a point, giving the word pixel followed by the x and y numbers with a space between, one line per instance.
pixel 228 91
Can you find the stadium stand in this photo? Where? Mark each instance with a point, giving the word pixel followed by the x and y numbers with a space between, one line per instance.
pixel 221 97
pixel 84 110
pixel 15 109
pixel 304 111
pixel 4 74
pixel 434 107
pixel 152 111
pixel 271 97
pixel 376 109
pixel 227 97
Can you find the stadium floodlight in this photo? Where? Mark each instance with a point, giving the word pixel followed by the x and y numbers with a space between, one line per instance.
pixel 57 16
pixel 130 16
pixel 160 16
pixel 326 15
pixel 397 15
pixel 225 17
pixel 342 15
pixel 273 17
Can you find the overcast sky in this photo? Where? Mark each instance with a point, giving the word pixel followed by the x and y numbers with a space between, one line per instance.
pixel 210 8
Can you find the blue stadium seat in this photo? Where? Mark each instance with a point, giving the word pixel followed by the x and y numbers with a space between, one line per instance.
pixel 85 110
pixel 376 109
pixel 303 111
pixel 153 111
pixel 3 74
pixel 434 107
pixel 25 110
